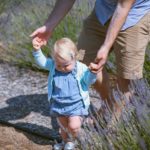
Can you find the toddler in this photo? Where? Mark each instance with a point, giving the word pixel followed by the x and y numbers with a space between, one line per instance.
pixel 68 84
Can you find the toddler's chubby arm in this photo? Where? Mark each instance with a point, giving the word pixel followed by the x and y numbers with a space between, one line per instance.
pixel 39 57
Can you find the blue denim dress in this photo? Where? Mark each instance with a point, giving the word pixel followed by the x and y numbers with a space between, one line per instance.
pixel 66 99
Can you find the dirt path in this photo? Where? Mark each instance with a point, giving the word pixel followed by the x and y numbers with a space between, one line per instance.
pixel 12 139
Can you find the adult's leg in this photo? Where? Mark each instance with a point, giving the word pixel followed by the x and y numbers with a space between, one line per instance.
pixel 130 49
pixel 90 40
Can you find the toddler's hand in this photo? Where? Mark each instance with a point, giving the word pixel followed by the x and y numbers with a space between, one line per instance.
pixel 93 67
pixel 37 43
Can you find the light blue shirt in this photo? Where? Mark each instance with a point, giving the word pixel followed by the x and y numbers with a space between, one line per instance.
pixel 105 8
pixel 65 87
pixel 83 76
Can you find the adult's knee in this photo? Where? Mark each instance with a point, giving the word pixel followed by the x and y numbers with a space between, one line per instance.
pixel 123 84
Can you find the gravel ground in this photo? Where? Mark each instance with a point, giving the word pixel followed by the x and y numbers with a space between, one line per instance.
pixel 23 104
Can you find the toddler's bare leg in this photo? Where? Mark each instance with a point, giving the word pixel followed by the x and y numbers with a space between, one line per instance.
pixel 64 124
pixel 74 125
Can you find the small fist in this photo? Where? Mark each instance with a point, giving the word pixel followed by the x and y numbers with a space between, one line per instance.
pixel 93 67
pixel 37 43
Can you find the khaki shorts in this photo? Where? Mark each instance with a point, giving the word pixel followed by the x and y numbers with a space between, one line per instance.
pixel 129 47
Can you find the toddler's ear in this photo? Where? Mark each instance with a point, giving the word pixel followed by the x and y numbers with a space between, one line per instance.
pixel 81 54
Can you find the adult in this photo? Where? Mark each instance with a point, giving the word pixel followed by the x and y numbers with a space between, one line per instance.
pixel 121 24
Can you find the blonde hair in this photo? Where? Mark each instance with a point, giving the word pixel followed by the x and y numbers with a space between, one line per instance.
pixel 65 48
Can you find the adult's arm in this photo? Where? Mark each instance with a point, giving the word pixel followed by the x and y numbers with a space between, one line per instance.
pixel 60 10
pixel 118 19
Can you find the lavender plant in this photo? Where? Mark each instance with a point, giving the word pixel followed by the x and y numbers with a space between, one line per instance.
pixel 131 131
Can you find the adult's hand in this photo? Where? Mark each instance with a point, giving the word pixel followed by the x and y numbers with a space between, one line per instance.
pixel 60 10
pixel 100 60
pixel 41 34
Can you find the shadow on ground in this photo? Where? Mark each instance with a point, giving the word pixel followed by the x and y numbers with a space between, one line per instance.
pixel 30 113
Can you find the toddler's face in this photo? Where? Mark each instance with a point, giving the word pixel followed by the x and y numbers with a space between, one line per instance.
pixel 64 65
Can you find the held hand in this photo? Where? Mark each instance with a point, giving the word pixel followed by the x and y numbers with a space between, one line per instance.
pixel 42 34
pixel 37 43
pixel 100 60
pixel 92 67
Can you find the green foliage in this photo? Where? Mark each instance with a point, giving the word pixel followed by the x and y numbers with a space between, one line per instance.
pixel 20 18
pixel 7 3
